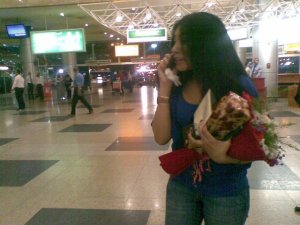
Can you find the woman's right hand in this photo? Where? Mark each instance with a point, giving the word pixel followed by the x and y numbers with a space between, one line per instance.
pixel 165 83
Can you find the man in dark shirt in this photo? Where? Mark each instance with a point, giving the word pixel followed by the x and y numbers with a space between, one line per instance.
pixel 30 86
pixel 78 94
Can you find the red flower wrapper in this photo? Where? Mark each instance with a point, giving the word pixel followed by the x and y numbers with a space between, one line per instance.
pixel 177 161
pixel 235 118
pixel 245 146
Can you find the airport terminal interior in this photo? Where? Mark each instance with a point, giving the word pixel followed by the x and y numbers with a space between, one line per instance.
pixel 103 168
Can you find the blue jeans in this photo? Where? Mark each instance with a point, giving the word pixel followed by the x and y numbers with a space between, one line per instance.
pixel 186 207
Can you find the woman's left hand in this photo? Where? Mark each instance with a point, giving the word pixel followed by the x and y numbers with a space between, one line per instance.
pixel 216 150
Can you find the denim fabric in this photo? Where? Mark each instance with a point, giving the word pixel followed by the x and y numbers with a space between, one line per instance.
pixel 186 207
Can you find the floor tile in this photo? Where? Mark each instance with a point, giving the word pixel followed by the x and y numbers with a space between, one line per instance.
pixel 86 128
pixel 20 172
pixel 4 141
pixel 21 113
pixel 262 176
pixel 147 117
pixel 136 144
pixel 63 216
pixel 296 138
pixel 52 119
pixel 284 114
pixel 117 111
pixel 133 101
pixel 94 106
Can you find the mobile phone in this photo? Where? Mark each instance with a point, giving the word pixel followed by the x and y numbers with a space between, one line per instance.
pixel 171 63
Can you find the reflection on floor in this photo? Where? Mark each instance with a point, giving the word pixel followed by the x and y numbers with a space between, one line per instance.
pixel 103 168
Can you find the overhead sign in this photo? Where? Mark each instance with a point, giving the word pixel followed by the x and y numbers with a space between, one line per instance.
pixel 292 47
pixel 58 41
pixel 238 34
pixel 126 50
pixel 147 35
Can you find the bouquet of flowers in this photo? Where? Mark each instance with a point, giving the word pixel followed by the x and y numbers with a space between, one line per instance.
pixel 251 130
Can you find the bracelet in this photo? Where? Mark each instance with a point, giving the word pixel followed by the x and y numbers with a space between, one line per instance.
pixel 163 99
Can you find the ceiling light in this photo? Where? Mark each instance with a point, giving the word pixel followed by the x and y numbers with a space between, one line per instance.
pixel 86 24
pixel 112 44
pixel 178 11
pixel 210 3
pixel 131 26
pixel 111 35
pixel 233 19
pixel 155 23
pixel 242 7
pixel 62 14
pixel 148 14
pixel 118 38
pixel 133 8
pixel 154 45
pixel 119 17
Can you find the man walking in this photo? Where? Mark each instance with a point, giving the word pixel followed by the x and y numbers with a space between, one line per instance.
pixel 78 93
pixel 18 87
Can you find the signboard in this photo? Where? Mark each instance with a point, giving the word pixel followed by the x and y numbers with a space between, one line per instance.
pixel 57 41
pixel 238 34
pixel 147 35
pixel 126 50
pixel 292 47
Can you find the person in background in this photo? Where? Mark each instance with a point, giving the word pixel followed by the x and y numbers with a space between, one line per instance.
pixel 39 86
pixel 18 87
pixel 78 94
pixel 68 83
pixel 30 86
pixel 87 82
pixel 130 82
pixel 256 71
pixel 248 68
pixel 123 78
pixel 205 59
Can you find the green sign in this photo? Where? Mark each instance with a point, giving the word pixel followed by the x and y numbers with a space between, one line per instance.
pixel 147 35
pixel 57 41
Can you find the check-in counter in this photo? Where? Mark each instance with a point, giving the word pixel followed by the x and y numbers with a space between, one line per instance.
pixel 259 83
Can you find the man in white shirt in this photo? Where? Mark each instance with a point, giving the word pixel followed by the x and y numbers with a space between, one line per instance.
pixel 39 86
pixel 18 87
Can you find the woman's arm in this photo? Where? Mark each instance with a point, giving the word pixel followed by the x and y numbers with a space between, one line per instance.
pixel 161 124
pixel 216 150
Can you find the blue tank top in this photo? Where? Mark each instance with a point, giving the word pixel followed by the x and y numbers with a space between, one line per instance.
pixel 223 179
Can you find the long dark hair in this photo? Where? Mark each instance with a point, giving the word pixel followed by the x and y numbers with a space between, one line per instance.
pixel 215 63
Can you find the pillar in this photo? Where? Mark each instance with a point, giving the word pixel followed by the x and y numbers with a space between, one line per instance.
pixel 93 52
pixel 241 52
pixel 265 47
pixel 69 62
pixel 27 58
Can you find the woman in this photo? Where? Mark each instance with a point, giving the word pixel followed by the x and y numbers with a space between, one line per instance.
pixel 204 59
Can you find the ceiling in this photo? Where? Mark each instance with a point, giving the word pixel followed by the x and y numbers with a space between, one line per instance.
pixel 101 15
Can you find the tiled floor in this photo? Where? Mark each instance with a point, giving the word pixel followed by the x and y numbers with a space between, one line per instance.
pixel 103 168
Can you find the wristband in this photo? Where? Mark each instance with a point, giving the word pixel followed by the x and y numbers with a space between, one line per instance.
pixel 163 99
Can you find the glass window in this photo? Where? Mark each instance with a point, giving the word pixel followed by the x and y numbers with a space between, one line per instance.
pixel 288 64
